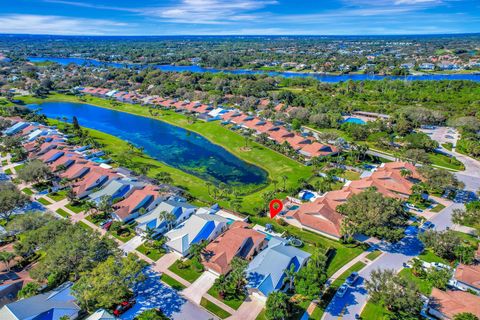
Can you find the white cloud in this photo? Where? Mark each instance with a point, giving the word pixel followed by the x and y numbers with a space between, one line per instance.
pixel 50 24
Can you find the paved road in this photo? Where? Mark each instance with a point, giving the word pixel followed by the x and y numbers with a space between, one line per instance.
pixel 353 301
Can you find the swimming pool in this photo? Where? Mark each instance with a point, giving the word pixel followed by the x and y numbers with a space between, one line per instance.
pixel 307 195
pixel 354 120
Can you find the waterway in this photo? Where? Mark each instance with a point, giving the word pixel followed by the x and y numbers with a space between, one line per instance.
pixel 321 77
pixel 172 145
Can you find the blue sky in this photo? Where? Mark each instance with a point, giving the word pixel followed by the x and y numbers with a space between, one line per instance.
pixel 239 17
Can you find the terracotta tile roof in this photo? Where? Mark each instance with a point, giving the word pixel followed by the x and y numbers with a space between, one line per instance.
pixel 468 274
pixel 69 156
pixel 279 107
pixel 92 179
pixel 238 240
pixel 280 135
pixel 297 142
pixel 125 207
pixel 317 149
pixel 78 169
pixel 451 303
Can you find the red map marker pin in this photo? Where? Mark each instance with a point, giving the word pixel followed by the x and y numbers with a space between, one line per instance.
pixel 276 206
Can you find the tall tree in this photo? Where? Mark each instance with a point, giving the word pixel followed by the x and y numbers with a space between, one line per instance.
pixel 108 283
pixel 10 199
pixel 278 306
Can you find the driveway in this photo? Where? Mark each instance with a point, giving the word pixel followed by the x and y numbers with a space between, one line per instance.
pixel 197 289
pixel 353 301
pixel 132 244
pixel 249 310
pixel 151 293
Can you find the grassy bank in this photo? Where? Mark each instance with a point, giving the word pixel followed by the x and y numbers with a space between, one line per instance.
pixel 274 163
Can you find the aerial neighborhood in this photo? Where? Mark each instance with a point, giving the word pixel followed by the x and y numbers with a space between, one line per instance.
pixel 152 179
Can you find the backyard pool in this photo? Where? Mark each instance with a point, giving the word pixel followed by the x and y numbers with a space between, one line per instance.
pixel 354 120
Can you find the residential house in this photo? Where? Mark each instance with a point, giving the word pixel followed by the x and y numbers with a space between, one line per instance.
pixel 467 277
pixel 266 272
pixel 320 216
pixel 139 200
pixel 154 220
pixel 238 241
pixel 116 189
pixel 95 178
pixel 197 228
pixel 54 305
pixel 447 304
pixel 317 149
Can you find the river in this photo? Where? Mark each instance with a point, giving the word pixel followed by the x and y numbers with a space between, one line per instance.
pixel 320 77
pixel 174 146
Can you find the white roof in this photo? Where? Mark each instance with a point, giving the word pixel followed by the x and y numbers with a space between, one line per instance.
pixel 101 314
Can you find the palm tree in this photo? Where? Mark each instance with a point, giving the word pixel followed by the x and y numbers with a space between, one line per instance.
pixel 105 205
pixel 169 218
pixel 209 185
pixel 148 235
pixel 196 249
pixel 275 181
pixel 6 258
pixel 405 173
pixel 284 178
pixel 290 276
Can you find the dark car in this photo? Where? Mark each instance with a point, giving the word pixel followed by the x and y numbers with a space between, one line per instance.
pixel 123 307
pixel 107 225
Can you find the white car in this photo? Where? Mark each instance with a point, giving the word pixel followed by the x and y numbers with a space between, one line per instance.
pixel 342 290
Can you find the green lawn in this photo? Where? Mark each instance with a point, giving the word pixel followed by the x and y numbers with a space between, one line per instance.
pixel 350 175
pixel 429 256
pixel 439 207
pixel 340 280
pixel 423 285
pixel 188 273
pixel 374 255
pixel 468 238
pixel 8 171
pixel 58 196
pixel 213 308
pixel 234 303
pixel 445 161
pixel 374 311
pixel 44 201
pixel 317 313
pixel 28 191
pixel 172 282
pixel 124 236
pixel 75 208
pixel 261 315
pixel 153 254
pixel 274 163
pixel 19 167
pixel 84 225
pixel 4 163
pixel 63 213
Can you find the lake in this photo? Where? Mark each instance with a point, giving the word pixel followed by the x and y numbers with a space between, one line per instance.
pixel 174 146
pixel 320 77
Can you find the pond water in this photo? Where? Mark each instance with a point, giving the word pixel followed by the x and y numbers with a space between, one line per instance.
pixel 174 146
pixel 320 77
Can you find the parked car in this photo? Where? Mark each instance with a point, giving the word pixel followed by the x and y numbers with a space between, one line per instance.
pixel 342 290
pixel 106 224
pixel 427 225
pixel 352 278
pixel 123 307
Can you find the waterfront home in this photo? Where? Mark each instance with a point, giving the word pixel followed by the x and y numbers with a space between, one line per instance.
pixel 320 216
pixel 197 228
pixel 155 219
pixel 139 200
pixel 77 170
pixel 96 177
pixel 467 278
pixel 447 304
pixel 317 149
pixel 65 161
pixel 238 241
pixel 51 156
pixel 266 272
pixel 116 189
pixel 298 142
pixel 280 135
pixel 53 305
